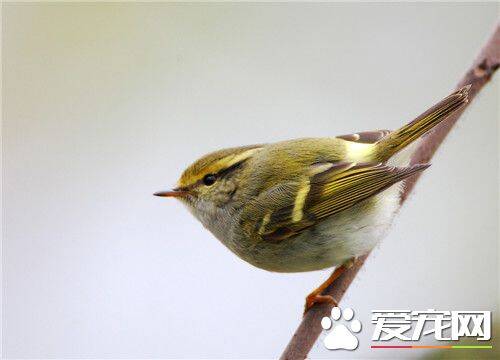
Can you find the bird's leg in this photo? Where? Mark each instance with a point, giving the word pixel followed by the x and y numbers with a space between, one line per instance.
pixel 316 296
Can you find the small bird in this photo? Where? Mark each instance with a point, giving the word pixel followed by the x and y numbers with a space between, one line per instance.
pixel 307 204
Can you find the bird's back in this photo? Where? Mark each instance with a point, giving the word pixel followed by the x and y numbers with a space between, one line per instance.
pixel 287 161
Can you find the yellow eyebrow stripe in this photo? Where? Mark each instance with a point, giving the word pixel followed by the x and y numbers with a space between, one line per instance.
pixel 221 164
pixel 229 161
pixel 300 200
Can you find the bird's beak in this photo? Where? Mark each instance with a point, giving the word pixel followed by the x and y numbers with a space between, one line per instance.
pixel 171 193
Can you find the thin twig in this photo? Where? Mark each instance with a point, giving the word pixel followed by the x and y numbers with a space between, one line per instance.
pixel 478 75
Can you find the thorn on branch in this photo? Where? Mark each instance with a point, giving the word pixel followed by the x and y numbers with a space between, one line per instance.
pixel 485 70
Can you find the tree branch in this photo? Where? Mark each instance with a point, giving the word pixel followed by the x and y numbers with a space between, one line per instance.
pixel 478 75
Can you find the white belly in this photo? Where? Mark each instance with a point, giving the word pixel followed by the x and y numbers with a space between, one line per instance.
pixel 351 233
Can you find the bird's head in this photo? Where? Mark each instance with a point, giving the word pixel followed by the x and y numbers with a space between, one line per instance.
pixel 213 180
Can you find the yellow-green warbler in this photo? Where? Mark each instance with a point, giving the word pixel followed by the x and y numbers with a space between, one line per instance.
pixel 307 204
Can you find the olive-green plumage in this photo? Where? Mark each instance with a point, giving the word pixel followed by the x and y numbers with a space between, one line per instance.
pixel 306 204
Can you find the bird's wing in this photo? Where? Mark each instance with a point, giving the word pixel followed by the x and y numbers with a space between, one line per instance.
pixel 287 209
pixel 366 137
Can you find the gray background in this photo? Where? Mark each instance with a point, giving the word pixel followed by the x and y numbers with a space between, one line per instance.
pixel 103 104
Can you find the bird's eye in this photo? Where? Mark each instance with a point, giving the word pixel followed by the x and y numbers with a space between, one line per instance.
pixel 209 179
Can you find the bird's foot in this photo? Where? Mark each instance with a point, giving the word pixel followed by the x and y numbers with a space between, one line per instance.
pixel 313 298
pixel 316 296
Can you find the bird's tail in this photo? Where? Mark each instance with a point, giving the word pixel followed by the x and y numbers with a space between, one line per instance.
pixel 399 139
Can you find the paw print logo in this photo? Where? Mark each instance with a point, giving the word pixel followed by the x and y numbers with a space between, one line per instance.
pixel 340 335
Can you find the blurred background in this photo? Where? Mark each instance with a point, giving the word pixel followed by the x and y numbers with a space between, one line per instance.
pixel 104 104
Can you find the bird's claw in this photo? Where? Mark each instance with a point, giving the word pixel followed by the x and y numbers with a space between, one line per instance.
pixel 318 299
